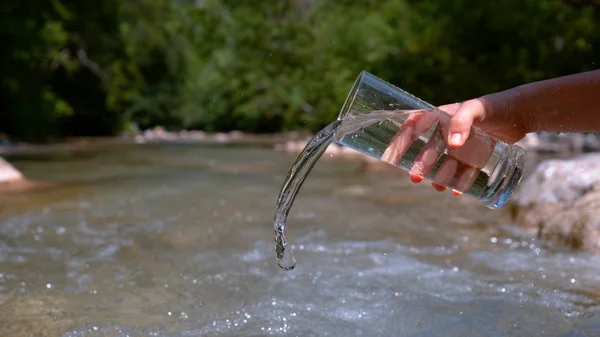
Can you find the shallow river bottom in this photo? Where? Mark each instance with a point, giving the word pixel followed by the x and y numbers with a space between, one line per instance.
pixel 176 240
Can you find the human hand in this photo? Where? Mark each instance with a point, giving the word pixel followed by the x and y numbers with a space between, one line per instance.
pixel 467 153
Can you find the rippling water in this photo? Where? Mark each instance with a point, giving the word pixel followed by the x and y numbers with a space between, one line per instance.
pixel 176 240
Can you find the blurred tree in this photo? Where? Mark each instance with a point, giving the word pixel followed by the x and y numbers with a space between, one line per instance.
pixel 75 68
pixel 250 52
pixel 462 51
pixel 30 109
pixel 85 83
pixel 157 37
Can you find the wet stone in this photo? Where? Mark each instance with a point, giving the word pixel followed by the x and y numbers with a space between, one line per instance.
pixel 560 201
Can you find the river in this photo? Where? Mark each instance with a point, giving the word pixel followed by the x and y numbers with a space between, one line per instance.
pixel 177 240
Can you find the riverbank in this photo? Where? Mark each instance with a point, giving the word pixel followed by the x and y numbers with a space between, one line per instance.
pixel 155 136
pixel 539 146
pixel 560 145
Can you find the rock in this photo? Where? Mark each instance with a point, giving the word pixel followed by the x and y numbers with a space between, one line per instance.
pixel 560 202
pixel 11 180
pixel 8 173
pixel 591 142
pixel 221 137
pixel 139 139
pixel 236 135
pixel 367 163
pixel 561 143
pixel 292 146
pixel 149 135
pixel 531 141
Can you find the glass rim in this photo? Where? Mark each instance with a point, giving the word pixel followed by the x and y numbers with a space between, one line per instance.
pixel 366 76
pixel 349 102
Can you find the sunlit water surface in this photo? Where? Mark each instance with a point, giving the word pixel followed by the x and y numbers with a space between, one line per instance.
pixel 176 240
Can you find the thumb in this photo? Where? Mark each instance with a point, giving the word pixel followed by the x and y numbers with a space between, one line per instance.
pixel 462 120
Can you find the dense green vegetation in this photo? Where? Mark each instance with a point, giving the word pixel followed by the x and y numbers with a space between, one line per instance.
pixel 86 68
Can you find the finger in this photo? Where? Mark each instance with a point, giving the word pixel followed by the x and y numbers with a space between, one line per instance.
pixel 465 179
pixel 461 122
pixel 397 146
pixel 428 156
pixel 408 132
pixel 404 136
pixel 438 187
pixel 450 109
pixel 476 151
pixel 415 178
pixel 446 172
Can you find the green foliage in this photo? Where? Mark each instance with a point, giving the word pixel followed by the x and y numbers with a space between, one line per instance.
pixel 472 50
pixel 77 68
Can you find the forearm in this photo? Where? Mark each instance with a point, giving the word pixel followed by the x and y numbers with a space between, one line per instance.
pixel 564 104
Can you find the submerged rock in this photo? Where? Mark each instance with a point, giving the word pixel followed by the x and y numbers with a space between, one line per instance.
pixel 560 201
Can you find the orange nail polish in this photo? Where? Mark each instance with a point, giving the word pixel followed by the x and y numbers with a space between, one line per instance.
pixel 456 193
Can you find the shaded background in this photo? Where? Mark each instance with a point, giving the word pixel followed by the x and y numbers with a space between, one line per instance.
pixel 73 68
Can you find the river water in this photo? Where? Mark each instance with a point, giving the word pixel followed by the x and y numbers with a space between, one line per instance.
pixel 177 240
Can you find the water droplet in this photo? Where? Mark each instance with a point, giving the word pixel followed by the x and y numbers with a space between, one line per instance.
pixel 573 280
pixel 494 240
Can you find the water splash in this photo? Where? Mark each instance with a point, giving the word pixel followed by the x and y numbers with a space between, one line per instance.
pixel 313 150
pixel 306 160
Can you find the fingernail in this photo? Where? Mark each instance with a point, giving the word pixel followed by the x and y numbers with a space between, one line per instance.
pixel 417 179
pixel 456 193
pixel 455 139
pixel 440 188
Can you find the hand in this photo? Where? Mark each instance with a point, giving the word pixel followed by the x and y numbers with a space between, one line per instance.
pixel 489 114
